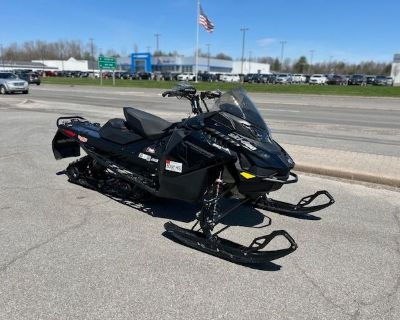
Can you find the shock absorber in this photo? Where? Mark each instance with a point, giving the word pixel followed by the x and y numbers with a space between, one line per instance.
pixel 218 187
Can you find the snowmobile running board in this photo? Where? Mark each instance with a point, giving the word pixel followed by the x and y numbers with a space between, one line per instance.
pixel 229 250
pixel 301 209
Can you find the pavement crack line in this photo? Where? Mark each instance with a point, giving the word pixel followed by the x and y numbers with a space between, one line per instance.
pixel 390 297
pixel 326 297
pixel 43 243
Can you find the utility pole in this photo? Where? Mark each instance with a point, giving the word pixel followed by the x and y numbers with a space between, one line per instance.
pixel 282 52
pixel 2 57
pixel 42 51
pixel 250 61
pixel 208 57
pixel 243 30
pixel 311 59
pixel 92 51
pixel 157 35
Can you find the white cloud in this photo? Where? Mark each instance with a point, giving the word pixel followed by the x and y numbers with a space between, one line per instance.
pixel 265 42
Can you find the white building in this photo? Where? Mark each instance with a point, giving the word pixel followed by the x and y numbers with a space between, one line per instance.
pixel 250 67
pixel 67 65
pixel 395 73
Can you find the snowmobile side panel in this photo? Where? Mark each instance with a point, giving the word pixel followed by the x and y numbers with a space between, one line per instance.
pixel 188 187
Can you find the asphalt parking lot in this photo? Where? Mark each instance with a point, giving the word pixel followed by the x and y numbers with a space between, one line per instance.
pixel 72 253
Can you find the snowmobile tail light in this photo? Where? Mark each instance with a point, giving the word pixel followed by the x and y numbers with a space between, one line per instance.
pixel 69 133
pixel 247 175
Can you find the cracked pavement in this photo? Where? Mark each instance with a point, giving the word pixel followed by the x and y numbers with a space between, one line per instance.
pixel 72 253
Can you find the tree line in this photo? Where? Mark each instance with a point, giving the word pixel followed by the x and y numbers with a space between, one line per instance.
pixel 64 49
pixel 301 65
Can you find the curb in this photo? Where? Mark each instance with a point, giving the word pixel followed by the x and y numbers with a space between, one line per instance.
pixel 351 175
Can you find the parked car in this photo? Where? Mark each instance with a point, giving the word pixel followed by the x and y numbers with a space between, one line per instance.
pixel 283 78
pixel 157 75
pixel 318 79
pixel 264 78
pixel 272 78
pixel 337 80
pixel 228 77
pixel 252 78
pixel 10 83
pixel 298 78
pixel 380 81
pixel 358 80
pixel 121 75
pixel 84 74
pixel 370 79
pixel 209 77
pixel 143 75
pixel 167 76
pixel 389 81
pixel 31 78
pixel 186 76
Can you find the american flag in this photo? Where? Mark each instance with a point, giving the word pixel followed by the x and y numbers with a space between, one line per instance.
pixel 205 22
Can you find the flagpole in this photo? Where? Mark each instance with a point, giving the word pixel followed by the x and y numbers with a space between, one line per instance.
pixel 197 39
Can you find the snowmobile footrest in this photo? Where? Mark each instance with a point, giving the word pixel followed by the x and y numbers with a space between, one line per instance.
pixel 229 250
pixel 301 208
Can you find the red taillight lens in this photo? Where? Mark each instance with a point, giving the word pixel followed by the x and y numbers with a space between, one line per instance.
pixel 69 133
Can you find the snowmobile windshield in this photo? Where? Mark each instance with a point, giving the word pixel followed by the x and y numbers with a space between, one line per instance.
pixel 238 103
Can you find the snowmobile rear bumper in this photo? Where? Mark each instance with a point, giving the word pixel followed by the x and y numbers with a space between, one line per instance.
pixel 65 144
pixel 229 250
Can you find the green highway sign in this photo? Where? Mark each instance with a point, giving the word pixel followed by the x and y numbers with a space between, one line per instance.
pixel 107 63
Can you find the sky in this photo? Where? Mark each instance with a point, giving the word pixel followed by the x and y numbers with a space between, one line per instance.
pixel 338 30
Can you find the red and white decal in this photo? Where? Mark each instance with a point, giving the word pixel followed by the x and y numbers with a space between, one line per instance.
pixel 173 166
pixel 82 138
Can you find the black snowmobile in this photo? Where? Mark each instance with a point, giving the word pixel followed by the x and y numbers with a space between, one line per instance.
pixel 218 154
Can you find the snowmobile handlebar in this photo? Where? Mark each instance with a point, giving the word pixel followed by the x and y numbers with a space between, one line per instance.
pixel 210 94
pixel 185 93
pixel 189 92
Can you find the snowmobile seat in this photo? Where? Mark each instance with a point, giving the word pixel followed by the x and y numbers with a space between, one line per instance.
pixel 115 130
pixel 145 124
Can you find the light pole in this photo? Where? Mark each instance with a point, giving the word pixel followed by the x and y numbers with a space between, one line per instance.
pixel 157 35
pixel 250 61
pixel 43 59
pixel 208 57
pixel 243 30
pixel 2 57
pixel 92 50
pixel 311 58
pixel 330 64
pixel 148 49
pixel 282 52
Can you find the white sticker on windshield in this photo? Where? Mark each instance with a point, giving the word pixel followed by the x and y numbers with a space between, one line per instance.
pixel 173 166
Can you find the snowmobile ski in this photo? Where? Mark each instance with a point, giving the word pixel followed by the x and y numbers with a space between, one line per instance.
pixel 229 250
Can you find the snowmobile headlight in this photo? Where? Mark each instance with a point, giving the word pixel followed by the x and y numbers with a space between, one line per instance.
pixel 247 175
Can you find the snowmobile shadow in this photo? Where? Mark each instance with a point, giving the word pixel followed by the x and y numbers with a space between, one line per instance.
pixel 185 212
